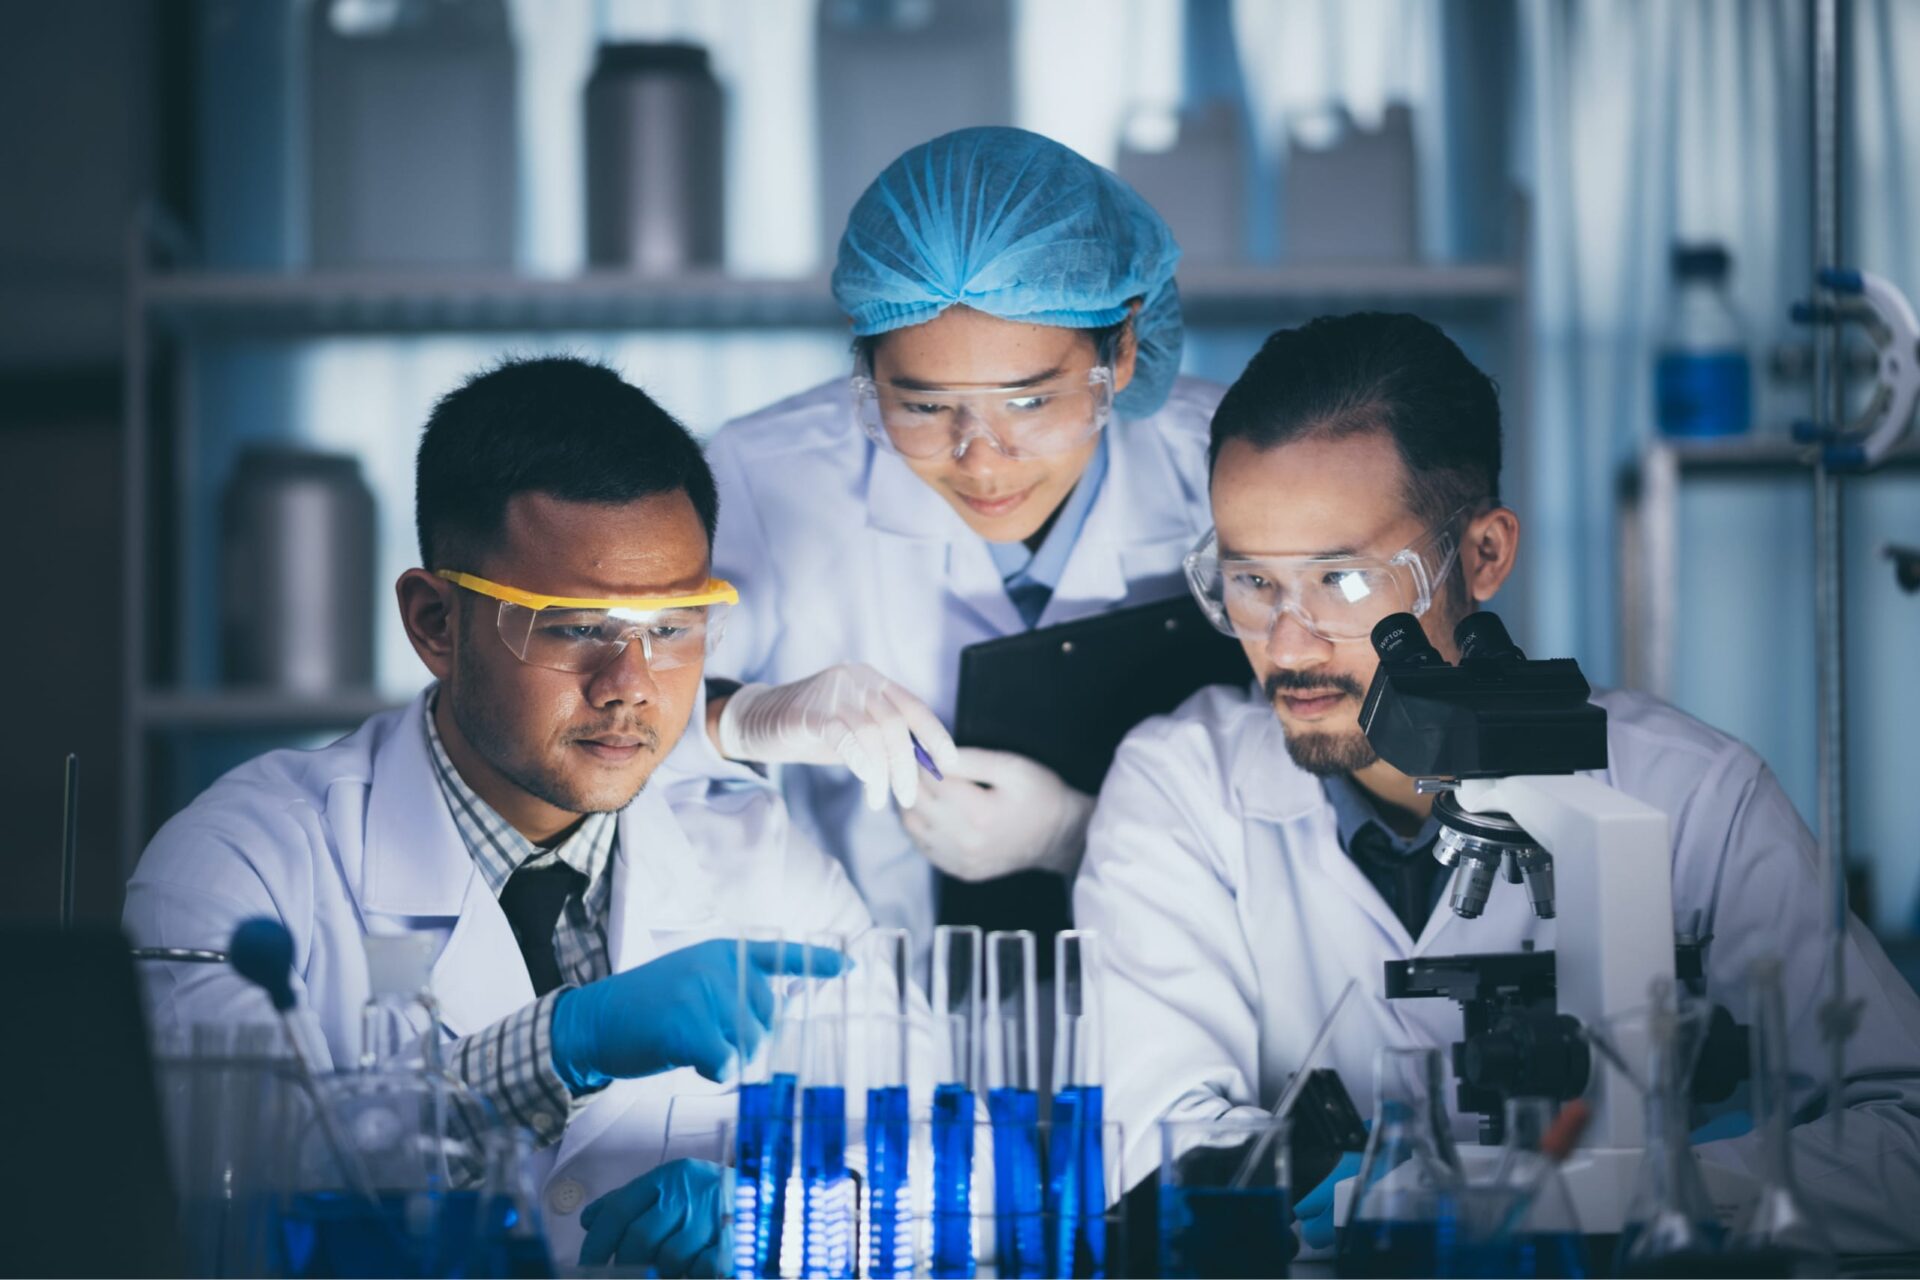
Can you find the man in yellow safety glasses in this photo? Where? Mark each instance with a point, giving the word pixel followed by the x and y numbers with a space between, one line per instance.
pixel 582 864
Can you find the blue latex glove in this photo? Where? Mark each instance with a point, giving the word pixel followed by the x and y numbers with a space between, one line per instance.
pixel 1018 226
pixel 668 1219
pixel 1314 1210
pixel 1728 1124
pixel 677 1011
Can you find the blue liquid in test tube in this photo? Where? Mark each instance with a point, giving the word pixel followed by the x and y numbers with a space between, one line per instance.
pixel 953 1182
pixel 1076 1164
pixel 890 1216
pixel 1013 1105
pixel 884 959
pixel 827 1222
pixel 1020 1243
pixel 769 1084
pixel 956 999
pixel 763 1162
pixel 827 1248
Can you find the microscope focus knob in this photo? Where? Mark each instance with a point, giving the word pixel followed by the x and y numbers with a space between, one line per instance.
pixel 1528 1055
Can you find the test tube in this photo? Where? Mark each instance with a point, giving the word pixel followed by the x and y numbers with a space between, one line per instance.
pixel 827 1233
pixel 1013 1104
pixel 956 1036
pixel 883 963
pixel 763 1134
pixel 1076 1170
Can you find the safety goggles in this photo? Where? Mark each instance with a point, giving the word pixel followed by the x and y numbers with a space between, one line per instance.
pixel 1334 597
pixel 1016 422
pixel 565 633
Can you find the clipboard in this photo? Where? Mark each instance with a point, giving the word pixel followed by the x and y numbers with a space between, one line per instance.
pixel 1066 696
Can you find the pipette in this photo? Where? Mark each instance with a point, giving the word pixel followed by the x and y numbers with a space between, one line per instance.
pixel 262 952
pixel 1291 1094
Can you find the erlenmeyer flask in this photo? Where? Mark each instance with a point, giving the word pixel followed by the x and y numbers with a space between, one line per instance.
pixel 1541 1219
pixel 1778 1235
pixel 512 1244
pixel 1670 1218
pixel 1409 1164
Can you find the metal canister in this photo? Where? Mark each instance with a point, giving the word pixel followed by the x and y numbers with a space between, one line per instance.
pixel 655 156
pixel 298 572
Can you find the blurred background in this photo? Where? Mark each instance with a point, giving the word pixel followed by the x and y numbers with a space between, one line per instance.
pixel 244 245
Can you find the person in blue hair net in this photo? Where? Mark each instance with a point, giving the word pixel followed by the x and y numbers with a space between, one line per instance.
pixel 1014 448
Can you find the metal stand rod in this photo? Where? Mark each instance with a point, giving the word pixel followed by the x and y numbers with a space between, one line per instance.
pixel 69 841
pixel 1829 411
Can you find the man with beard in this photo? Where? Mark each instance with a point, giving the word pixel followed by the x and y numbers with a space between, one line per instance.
pixel 1250 854
pixel 577 866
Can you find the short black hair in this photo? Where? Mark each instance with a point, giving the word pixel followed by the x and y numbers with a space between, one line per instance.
pixel 558 425
pixel 1375 371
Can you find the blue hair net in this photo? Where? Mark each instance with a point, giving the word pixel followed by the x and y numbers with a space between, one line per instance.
pixel 1018 226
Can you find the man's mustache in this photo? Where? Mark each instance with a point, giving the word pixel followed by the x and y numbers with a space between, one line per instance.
pixel 1301 682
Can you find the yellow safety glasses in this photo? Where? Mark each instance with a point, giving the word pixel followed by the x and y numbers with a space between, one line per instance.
pixel 571 633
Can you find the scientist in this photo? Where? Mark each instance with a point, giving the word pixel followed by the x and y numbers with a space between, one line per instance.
pixel 1013 450
pixel 582 916
pixel 1255 854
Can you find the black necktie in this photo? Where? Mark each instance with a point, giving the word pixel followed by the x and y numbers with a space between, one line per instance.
pixel 532 900
pixel 1406 880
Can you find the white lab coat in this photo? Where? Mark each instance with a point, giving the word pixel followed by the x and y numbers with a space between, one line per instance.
pixel 842 554
pixel 1236 919
pixel 356 838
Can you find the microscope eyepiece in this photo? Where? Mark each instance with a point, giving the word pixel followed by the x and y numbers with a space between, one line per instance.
pixel 1400 642
pixel 1482 637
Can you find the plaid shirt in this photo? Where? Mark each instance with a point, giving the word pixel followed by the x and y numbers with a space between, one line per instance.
pixel 511 1062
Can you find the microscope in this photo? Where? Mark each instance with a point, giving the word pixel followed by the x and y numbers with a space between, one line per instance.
pixel 1501 741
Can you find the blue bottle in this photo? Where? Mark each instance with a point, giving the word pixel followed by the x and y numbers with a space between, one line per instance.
pixel 1013 1106
pixel 1076 1164
pixel 956 999
pixel 1702 378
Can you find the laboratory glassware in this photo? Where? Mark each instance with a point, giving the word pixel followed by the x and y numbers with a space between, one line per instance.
pixel 1779 1228
pixel 1215 1221
pixel 1410 1161
pixel 884 960
pixel 1670 1221
pixel 827 1189
pixel 956 1001
pixel 1076 1188
pixel 1013 1104
pixel 764 1129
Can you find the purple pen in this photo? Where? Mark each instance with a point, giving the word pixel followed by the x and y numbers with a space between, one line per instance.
pixel 926 761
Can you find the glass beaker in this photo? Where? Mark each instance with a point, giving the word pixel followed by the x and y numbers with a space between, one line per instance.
pixel 1392 1226
pixel 1224 1207
pixel 1522 1222
pixel 1670 1218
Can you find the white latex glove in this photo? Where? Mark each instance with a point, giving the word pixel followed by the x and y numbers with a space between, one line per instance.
pixel 998 813
pixel 849 715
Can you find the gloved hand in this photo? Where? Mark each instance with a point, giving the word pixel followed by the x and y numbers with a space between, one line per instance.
pixel 668 1219
pixel 677 1011
pixel 1314 1210
pixel 998 813
pixel 1728 1124
pixel 849 715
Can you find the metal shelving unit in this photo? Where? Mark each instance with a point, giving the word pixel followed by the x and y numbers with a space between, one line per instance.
pixel 223 303
pixel 1650 495
pixel 172 309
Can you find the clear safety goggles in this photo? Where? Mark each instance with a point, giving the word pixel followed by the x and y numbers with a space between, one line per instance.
pixel 1016 422
pixel 1334 597
pixel 565 633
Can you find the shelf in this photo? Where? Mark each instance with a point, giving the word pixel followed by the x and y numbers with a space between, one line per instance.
pixel 393 302
pixel 237 709
pixel 1737 454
